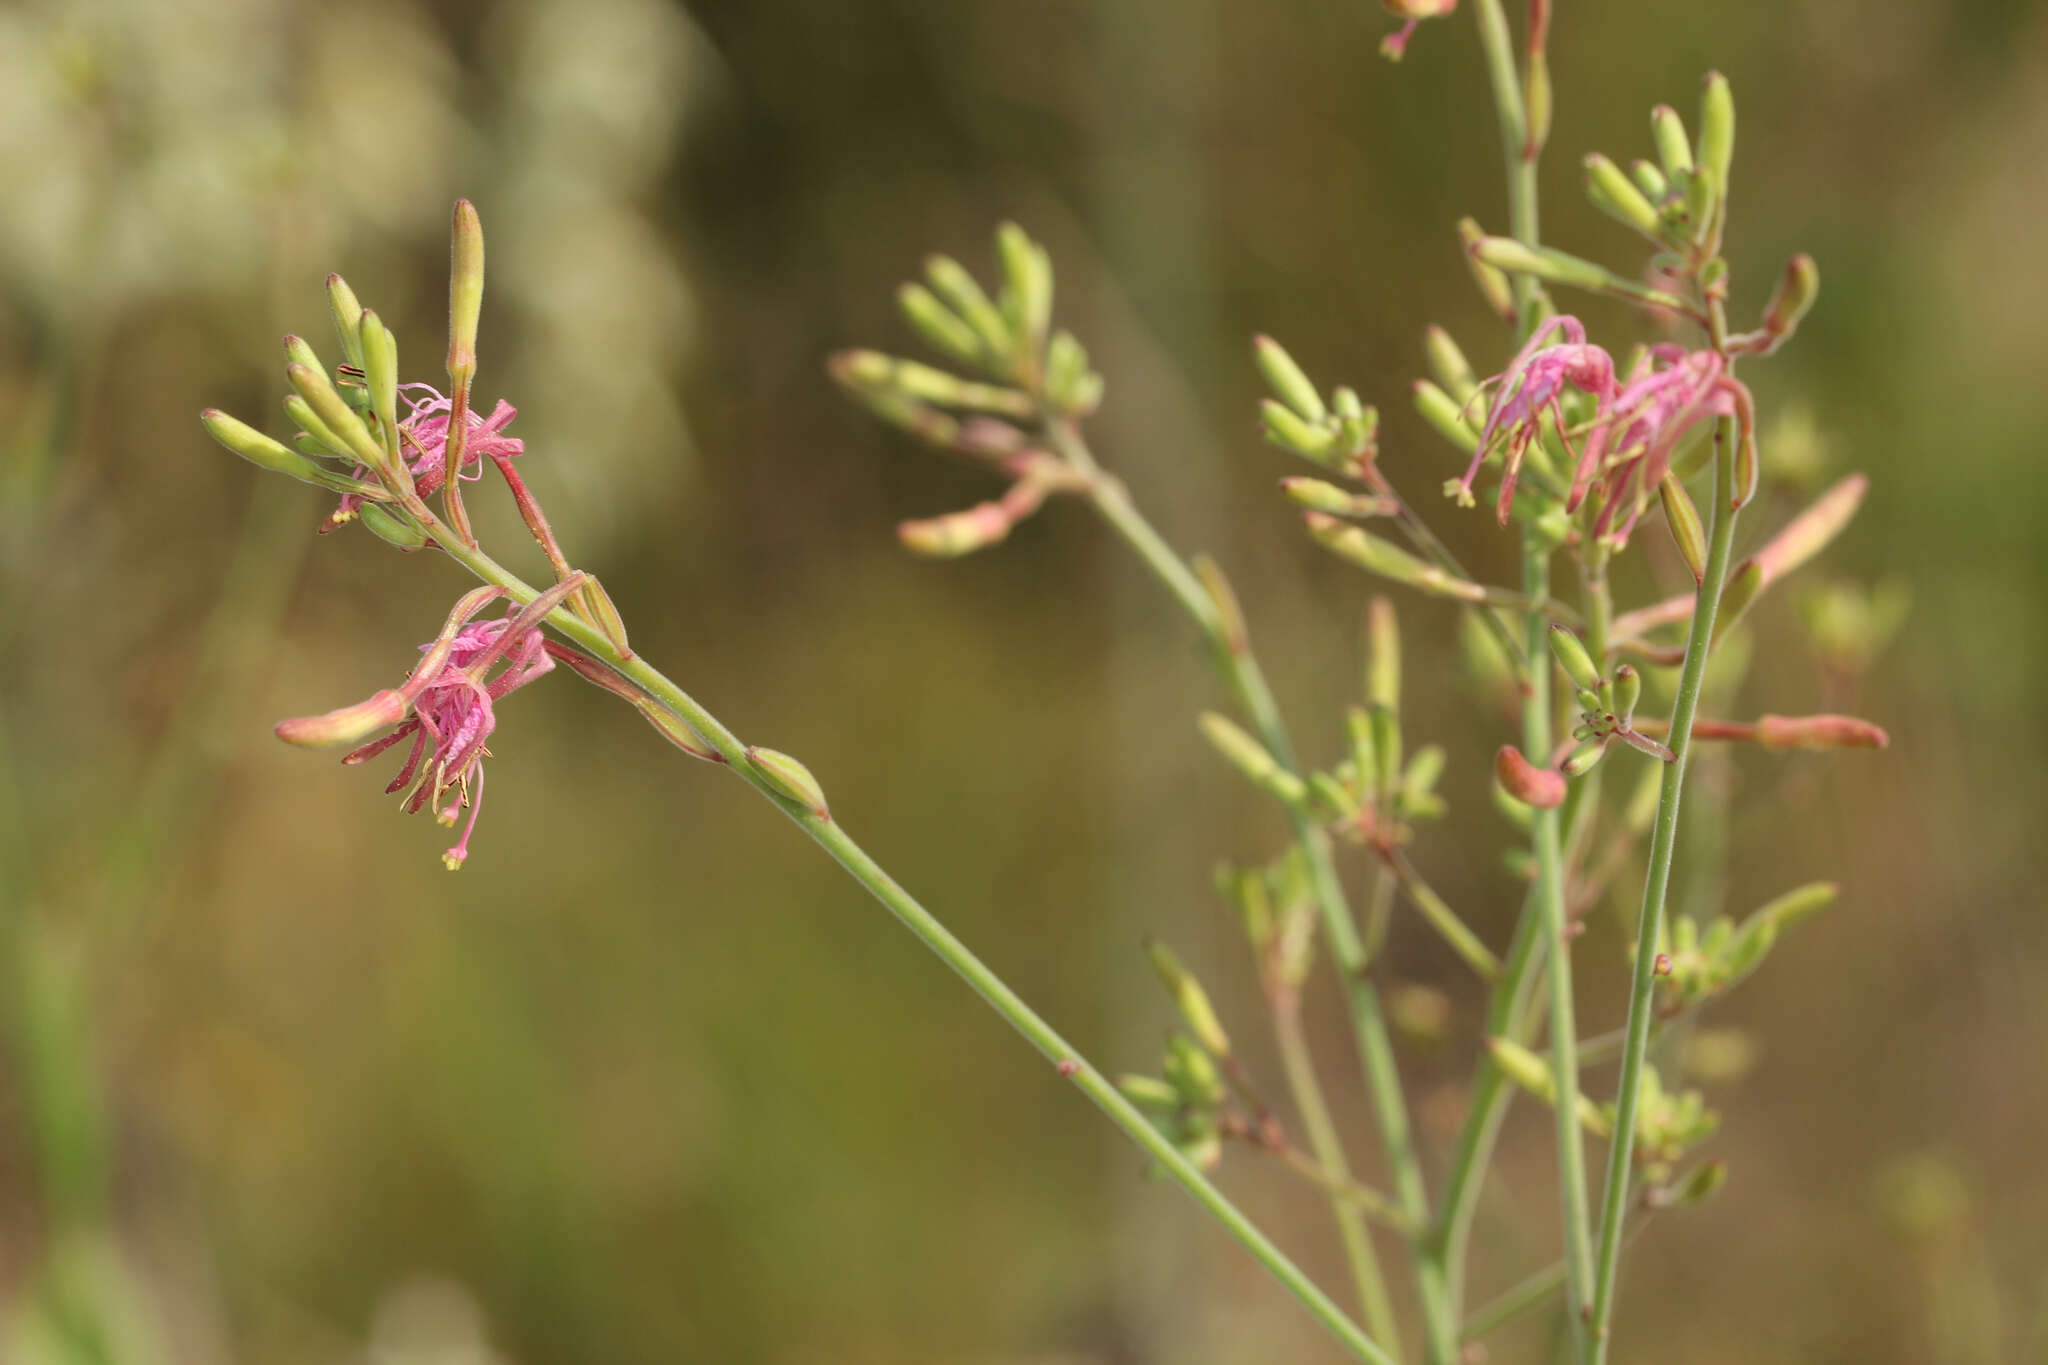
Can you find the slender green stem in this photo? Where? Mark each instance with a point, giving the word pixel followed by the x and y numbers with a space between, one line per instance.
pixel 1550 905
pixel 1532 1292
pixel 1328 1147
pixel 1499 47
pixel 1241 669
pixel 830 836
pixel 1649 923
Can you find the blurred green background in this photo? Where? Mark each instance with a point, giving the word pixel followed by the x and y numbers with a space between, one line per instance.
pixel 650 1080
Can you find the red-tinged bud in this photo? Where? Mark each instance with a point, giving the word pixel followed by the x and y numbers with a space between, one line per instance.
pixel 1820 732
pixel 346 725
pixel 1807 534
pixel 1684 520
pixel 1543 788
pixel 1797 288
pixel 1662 966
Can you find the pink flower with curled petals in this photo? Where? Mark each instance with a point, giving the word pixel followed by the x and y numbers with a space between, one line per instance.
pixel 423 441
pixel 1534 383
pixel 447 708
pixel 1629 447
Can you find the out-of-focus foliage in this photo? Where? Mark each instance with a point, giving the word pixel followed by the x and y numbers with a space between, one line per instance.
pixel 649 1082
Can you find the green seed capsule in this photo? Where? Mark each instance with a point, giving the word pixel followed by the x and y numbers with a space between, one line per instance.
pixel 1573 658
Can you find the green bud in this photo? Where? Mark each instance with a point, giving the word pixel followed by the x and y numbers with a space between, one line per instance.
pixel 1449 365
pixel 1797 288
pixel 939 325
pixel 1583 759
pixel 1027 276
pixel 1684 520
pixel 1628 691
pixel 1423 771
pixel 1374 555
pixel 789 779
pixel 1251 758
pixel 1149 1094
pixel 1493 285
pixel 298 351
pixel 1382 654
pixel 258 449
pixel 1193 1073
pixel 1557 267
pixel 1650 180
pixel 1571 655
pixel 1700 1185
pixel 1701 198
pixel 1386 744
pixel 1364 758
pixel 1357 424
pixel 337 416
pixel 388 528
pixel 1589 701
pixel 1716 150
pixel 921 420
pixel 1188 997
pixel 677 731
pixel 1611 192
pixel 1335 797
pixel 323 443
pixel 1284 428
pixel 380 369
pixel 1532 1073
pixel 1536 102
pixel 1287 381
pixel 1247 891
pixel 1319 496
pixel 347 313
pixel 953 284
pixel 1443 413
pixel 465 291
pixel 1674 148
pixel 1737 597
pixel 1070 385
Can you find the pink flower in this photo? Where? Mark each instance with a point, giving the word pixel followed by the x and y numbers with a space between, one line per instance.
pixel 423 441
pixel 451 696
pixel 1395 45
pixel 1534 383
pixel 1629 448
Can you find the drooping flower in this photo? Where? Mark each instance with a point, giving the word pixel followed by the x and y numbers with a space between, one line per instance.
pixel 446 708
pixel 423 441
pixel 1534 383
pixel 1630 444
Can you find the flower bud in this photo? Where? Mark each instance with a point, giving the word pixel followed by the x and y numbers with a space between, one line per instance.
pixel 1628 691
pixel 1287 381
pixel 1070 385
pixel 1611 192
pixel 1820 732
pixel 1188 997
pixel 1027 270
pixel 1571 655
pixel 1674 149
pixel 956 287
pixel 1493 285
pixel 1382 654
pixel 1716 150
pixel 1807 534
pixel 465 291
pixel 1284 428
pixel 1439 410
pixel 1192 1072
pixel 339 418
pixel 1753 940
pixel 1386 743
pixel 788 778
pixel 1374 555
pixel 346 725
pixel 1542 788
pixel 1650 180
pixel 939 325
pixel 347 314
pixel 323 443
pixel 1251 758
pixel 956 533
pixel 1357 425
pixel 1700 1185
pixel 1448 364
pixel 390 529
pixel 1149 1094
pixel 297 351
pixel 1582 760
pixel 380 370
pixel 1797 288
pixel 1684 520
pixel 1319 496
pixel 258 449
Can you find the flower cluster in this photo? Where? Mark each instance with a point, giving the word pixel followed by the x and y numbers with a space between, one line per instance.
pixel 423 442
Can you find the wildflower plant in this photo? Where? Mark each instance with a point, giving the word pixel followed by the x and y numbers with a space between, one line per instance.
pixel 1574 443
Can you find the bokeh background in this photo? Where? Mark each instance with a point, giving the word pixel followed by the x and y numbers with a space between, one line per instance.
pixel 649 1080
